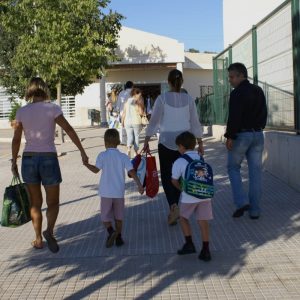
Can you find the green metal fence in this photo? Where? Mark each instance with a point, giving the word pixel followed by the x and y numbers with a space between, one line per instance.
pixel 267 52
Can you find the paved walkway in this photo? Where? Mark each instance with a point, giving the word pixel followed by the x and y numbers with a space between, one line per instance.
pixel 251 259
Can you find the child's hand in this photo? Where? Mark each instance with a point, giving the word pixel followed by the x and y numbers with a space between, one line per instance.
pixel 141 190
pixel 92 168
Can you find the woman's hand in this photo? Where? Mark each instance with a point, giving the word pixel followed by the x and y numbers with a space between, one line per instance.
pixel 146 144
pixel 200 148
pixel 14 168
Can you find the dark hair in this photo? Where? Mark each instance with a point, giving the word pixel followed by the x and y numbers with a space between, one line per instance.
pixel 175 79
pixel 135 91
pixel 186 139
pixel 239 68
pixel 37 88
pixel 128 85
pixel 112 137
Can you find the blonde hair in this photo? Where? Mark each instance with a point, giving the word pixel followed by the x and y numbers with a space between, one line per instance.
pixel 135 91
pixel 114 95
pixel 37 88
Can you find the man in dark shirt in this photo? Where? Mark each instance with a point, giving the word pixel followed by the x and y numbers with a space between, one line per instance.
pixel 246 121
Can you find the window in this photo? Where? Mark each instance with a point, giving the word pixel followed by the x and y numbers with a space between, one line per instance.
pixel 5 105
pixel 205 90
pixel 68 106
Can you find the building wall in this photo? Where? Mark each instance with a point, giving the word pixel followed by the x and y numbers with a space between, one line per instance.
pixel 136 46
pixel 89 99
pixel 240 15
pixel 193 79
pixel 137 76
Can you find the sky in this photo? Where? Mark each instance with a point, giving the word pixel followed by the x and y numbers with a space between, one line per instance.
pixel 196 23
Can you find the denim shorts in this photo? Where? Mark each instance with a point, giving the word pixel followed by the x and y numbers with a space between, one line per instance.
pixel 40 168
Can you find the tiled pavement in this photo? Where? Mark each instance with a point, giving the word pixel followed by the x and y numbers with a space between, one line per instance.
pixel 251 259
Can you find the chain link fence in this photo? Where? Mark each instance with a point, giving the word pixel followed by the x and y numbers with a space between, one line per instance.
pixel 267 52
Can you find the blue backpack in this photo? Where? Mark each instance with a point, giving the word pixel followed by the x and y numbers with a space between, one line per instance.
pixel 198 178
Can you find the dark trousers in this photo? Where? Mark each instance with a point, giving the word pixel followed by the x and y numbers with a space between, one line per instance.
pixel 166 159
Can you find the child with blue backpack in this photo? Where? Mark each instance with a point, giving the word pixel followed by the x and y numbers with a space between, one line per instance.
pixel 194 178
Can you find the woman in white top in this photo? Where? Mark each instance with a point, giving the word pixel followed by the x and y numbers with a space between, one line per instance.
pixel 132 119
pixel 173 113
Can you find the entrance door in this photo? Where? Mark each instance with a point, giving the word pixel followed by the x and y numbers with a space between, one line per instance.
pixel 149 90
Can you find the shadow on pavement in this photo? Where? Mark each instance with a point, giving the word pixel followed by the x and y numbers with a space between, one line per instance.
pixel 149 254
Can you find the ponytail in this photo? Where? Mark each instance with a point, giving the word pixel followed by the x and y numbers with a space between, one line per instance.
pixel 175 79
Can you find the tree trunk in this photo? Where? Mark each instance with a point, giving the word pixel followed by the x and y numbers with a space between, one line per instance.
pixel 60 130
pixel 103 113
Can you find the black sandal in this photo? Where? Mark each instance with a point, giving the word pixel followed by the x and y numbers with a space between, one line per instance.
pixel 51 241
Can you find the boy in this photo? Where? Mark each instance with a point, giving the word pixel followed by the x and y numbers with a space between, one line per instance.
pixel 186 143
pixel 113 164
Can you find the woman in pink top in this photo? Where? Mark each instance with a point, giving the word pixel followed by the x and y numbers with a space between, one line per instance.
pixel 39 161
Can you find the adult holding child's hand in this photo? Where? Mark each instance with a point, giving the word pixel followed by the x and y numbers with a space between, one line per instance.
pixel 173 113
pixel 39 162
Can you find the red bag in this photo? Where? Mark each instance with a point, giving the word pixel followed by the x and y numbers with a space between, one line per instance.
pixel 152 183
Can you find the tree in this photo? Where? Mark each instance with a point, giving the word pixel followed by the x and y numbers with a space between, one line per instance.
pixel 192 50
pixel 66 42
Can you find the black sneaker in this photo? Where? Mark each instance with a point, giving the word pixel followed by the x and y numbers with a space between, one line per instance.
pixel 119 241
pixel 240 212
pixel 205 255
pixel 111 239
pixel 187 248
pixel 254 217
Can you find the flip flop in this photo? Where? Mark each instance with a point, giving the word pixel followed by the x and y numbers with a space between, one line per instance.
pixel 35 245
pixel 51 241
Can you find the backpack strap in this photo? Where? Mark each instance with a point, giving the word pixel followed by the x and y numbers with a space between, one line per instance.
pixel 189 159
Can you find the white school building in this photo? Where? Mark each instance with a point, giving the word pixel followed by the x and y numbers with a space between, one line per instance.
pixel 145 59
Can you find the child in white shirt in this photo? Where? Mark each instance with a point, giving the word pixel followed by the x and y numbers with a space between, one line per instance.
pixel 202 209
pixel 113 164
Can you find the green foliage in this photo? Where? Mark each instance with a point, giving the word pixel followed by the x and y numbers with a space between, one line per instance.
pixel 67 41
pixel 15 105
pixel 192 50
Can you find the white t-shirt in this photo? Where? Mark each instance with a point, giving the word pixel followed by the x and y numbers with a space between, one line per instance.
pixel 113 164
pixel 149 107
pixel 174 113
pixel 122 99
pixel 132 116
pixel 178 170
